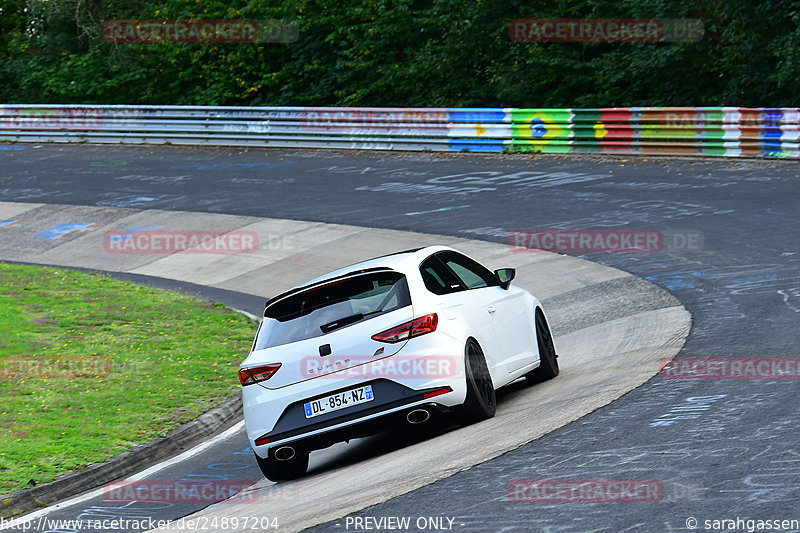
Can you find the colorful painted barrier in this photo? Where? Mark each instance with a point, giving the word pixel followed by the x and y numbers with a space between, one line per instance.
pixel 688 131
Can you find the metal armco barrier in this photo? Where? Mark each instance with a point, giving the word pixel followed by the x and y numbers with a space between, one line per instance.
pixel 691 131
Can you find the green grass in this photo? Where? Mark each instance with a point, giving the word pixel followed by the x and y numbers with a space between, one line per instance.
pixel 127 365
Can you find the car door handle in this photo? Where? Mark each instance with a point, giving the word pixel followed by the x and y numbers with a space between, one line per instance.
pixel 491 310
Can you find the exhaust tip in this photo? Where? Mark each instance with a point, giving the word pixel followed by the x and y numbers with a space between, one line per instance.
pixel 418 416
pixel 284 453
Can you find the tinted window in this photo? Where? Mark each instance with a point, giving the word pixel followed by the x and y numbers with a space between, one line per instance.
pixel 438 278
pixel 330 307
pixel 470 272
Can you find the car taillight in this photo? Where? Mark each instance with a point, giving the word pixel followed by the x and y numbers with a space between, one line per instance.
pixel 413 328
pixel 255 374
pixel 437 392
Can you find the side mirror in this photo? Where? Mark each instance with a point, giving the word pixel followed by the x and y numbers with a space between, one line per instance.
pixel 504 276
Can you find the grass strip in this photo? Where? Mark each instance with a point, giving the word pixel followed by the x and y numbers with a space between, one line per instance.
pixel 91 366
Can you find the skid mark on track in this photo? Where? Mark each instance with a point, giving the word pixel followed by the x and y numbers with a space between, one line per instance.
pixel 789 296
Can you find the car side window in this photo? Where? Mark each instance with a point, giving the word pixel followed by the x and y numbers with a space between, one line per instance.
pixel 438 278
pixel 471 273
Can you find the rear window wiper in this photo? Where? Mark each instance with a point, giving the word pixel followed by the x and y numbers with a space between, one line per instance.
pixel 346 321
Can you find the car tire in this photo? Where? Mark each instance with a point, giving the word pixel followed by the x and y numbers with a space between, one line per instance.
pixel 481 401
pixel 548 367
pixel 275 470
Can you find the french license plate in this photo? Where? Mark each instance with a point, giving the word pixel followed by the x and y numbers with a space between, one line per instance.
pixel 337 401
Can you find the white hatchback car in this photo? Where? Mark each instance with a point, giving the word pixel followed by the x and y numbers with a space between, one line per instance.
pixel 386 342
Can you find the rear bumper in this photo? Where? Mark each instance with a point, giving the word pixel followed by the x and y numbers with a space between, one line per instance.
pixel 393 402
pixel 359 421
pixel 399 384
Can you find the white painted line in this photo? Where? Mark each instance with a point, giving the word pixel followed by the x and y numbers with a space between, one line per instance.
pixel 251 316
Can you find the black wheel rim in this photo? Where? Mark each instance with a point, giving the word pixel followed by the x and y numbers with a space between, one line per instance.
pixel 480 375
pixel 545 339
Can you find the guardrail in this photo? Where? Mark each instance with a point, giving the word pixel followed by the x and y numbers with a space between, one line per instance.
pixel 693 131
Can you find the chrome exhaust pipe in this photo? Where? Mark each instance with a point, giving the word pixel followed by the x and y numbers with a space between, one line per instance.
pixel 418 416
pixel 284 453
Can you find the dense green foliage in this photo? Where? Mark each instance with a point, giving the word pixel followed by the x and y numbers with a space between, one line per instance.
pixel 401 53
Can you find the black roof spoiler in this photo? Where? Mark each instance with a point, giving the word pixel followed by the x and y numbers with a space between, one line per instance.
pixel 321 282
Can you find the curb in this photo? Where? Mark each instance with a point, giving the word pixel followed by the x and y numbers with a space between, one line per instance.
pixel 179 439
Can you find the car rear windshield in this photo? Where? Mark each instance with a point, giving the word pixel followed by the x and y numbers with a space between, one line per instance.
pixel 332 306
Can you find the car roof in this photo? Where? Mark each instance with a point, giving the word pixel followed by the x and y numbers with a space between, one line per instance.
pixel 404 262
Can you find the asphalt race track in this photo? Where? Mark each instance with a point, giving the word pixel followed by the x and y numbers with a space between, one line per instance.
pixel 721 449
pixel 609 346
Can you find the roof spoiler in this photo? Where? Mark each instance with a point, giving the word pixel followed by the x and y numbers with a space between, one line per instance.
pixel 321 282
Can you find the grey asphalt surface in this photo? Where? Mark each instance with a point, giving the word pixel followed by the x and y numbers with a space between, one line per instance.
pixel 720 449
